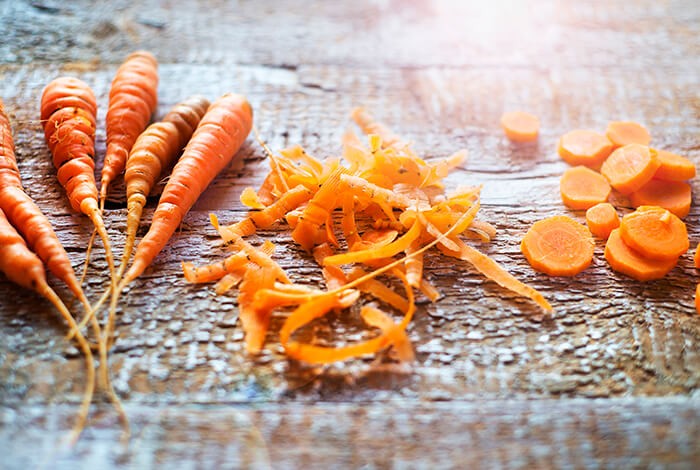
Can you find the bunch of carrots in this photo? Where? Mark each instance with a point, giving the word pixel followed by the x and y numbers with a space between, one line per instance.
pixel 647 243
pixel 205 138
pixel 393 209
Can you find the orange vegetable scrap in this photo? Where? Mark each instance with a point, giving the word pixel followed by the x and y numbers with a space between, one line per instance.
pixel 696 257
pixel 673 167
pixel 584 147
pixel 655 233
pixel 625 260
pixel 393 209
pixel 582 188
pixel 602 219
pixel 520 126
pixel 558 246
pixel 697 298
pixel 630 167
pixel 672 195
pixel 622 133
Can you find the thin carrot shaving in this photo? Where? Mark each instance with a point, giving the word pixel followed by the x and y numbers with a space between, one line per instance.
pixel 393 210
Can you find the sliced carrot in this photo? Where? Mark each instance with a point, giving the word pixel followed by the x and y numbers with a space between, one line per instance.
pixel 582 188
pixel 602 219
pixel 672 195
pixel 654 233
pixel 558 246
pixel 696 258
pixel 622 133
pixel 630 167
pixel 674 167
pixel 625 260
pixel 584 147
pixel 520 126
pixel 697 298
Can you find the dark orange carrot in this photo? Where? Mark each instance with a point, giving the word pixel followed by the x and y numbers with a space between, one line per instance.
pixel 132 100
pixel 672 195
pixel 24 268
pixel 630 167
pixel 582 188
pixel 655 233
pixel 625 260
pixel 520 126
pixel 673 167
pixel 622 133
pixel 602 219
pixel 558 246
pixel 584 147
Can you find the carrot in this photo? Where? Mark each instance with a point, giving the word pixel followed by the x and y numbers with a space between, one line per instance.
pixel 220 134
pixel 697 298
pixel 520 126
pixel 582 188
pixel 24 268
pixel 370 126
pixel 655 233
pixel 132 100
pixel 584 147
pixel 673 167
pixel 627 261
pixel 630 167
pixel 672 195
pixel 622 133
pixel 696 257
pixel 602 219
pixel 558 246
pixel 152 153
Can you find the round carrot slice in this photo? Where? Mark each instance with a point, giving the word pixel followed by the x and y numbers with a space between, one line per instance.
pixel 630 167
pixel 672 195
pixel 625 260
pixel 674 167
pixel 602 219
pixel 696 258
pixel 520 126
pixel 655 233
pixel 584 147
pixel 558 246
pixel 627 132
pixel 582 188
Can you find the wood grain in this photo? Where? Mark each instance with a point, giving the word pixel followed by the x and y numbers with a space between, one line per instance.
pixel 496 380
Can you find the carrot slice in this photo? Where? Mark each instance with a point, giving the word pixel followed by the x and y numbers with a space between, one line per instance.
pixel 674 167
pixel 672 195
pixel 602 219
pixel 696 258
pixel 630 167
pixel 655 233
pixel 520 126
pixel 584 147
pixel 558 246
pixel 627 132
pixel 582 188
pixel 697 298
pixel 625 260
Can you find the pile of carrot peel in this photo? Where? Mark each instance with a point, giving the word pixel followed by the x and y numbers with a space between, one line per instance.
pixel 392 207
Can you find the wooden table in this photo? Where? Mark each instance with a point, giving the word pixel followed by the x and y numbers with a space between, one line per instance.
pixel 609 380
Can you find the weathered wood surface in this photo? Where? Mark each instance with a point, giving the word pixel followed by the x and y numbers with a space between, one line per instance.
pixel 516 388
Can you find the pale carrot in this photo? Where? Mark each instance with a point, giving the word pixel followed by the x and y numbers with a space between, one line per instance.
pixel 584 147
pixel 520 126
pixel 622 133
pixel 630 167
pixel 672 195
pixel 673 167
pixel 655 233
pixel 558 246
pixel 627 261
pixel 582 188
pixel 602 219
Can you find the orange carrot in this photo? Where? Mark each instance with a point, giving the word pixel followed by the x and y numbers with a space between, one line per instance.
pixel 622 133
pixel 584 147
pixel 697 298
pixel 24 268
pixel 370 126
pixel 625 260
pixel 696 257
pixel 582 188
pixel 220 134
pixel 520 126
pixel 602 219
pixel 672 195
pixel 655 233
pixel 630 167
pixel 558 246
pixel 674 167
pixel 132 100
pixel 152 153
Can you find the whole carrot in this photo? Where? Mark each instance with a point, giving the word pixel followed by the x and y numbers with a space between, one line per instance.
pixel 24 268
pixel 132 100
